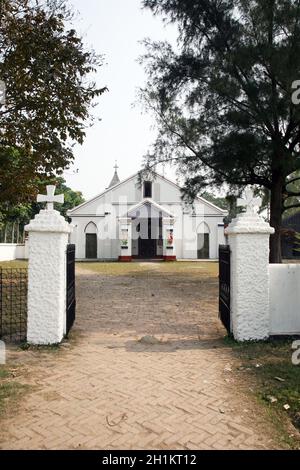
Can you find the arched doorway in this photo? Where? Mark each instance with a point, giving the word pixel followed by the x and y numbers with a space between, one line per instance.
pixel 91 241
pixel 203 239
pixel 147 232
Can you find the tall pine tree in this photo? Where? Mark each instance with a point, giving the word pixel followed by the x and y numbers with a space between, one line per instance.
pixel 223 97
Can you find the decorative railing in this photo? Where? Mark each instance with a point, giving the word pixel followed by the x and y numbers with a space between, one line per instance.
pixel 13 304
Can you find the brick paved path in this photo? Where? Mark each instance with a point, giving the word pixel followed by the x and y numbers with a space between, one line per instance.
pixel 107 390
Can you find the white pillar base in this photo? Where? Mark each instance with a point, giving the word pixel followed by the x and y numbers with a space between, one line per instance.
pixel 169 248
pixel 249 243
pixel 48 239
pixel 125 237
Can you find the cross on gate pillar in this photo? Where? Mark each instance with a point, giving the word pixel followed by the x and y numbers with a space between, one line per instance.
pixel 50 198
pixel 249 243
pixel 48 239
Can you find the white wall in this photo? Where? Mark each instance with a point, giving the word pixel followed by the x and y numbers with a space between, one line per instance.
pixel 221 239
pixel 284 299
pixel 12 251
pixel 105 210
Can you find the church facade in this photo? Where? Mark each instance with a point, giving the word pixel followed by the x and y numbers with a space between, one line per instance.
pixel 146 220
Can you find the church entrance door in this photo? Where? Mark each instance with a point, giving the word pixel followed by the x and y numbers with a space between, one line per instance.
pixel 147 248
pixel 203 246
pixel 91 245
pixel 148 245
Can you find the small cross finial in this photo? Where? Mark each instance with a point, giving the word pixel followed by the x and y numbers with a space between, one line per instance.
pixel 116 165
pixel 50 198
pixel 249 201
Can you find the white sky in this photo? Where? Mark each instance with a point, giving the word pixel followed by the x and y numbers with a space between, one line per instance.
pixel 114 28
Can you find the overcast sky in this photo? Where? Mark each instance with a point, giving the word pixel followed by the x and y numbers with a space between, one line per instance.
pixel 115 28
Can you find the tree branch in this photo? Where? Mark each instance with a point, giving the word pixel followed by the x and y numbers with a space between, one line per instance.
pixel 292 181
pixel 292 206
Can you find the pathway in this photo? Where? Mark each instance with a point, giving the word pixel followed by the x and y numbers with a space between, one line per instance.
pixel 108 390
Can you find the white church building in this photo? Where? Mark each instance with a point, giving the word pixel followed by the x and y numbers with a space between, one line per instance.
pixel 146 220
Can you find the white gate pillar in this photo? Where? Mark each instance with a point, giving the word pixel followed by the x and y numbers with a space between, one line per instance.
pixel 169 251
pixel 249 243
pixel 125 237
pixel 48 239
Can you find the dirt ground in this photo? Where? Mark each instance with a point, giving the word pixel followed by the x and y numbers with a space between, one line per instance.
pixel 112 386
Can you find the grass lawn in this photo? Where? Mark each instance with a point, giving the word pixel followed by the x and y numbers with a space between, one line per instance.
pixel 14 264
pixel 186 268
pixel 11 391
pixel 274 380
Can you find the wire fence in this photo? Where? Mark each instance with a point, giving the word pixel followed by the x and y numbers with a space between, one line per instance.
pixel 13 304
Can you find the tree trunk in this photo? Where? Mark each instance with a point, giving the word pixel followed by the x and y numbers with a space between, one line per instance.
pixel 18 232
pixel 276 217
pixel 13 233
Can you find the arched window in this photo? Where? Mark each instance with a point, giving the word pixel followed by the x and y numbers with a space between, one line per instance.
pixel 203 235
pixel 91 241
pixel 91 228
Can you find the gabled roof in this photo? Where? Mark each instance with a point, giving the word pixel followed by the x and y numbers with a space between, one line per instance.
pixel 199 198
pixel 150 202
pixel 69 212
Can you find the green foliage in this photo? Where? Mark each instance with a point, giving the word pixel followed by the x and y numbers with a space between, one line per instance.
pixel 217 201
pixel 223 98
pixel 71 198
pixel 23 213
pixel 229 203
pixel 49 93
pixel 292 194
pixel 296 241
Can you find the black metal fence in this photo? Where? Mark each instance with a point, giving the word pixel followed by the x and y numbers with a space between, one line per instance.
pixel 224 283
pixel 71 293
pixel 13 304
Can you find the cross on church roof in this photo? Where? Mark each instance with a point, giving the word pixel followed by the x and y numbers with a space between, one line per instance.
pixel 115 180
pixel 249 201
pixel 50 198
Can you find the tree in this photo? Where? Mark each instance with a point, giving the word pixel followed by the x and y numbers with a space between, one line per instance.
pixel 12 222
pixel 20 215
pixel 292 194
pixel 71 198
pixel 216 200
pixel 223 99
pixel 296 240
pixel 46 71
pixel 229 203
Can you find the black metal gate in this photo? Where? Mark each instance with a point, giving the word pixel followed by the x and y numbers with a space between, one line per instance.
pixel 71 294
pixel 224 290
